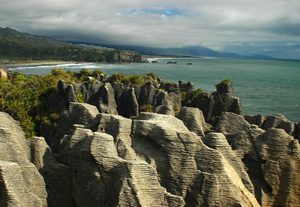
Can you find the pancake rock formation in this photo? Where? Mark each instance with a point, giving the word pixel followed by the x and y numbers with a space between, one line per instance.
pixel 111 153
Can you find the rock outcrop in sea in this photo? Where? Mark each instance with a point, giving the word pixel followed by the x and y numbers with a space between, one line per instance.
pixel 123 56
pixel 114 150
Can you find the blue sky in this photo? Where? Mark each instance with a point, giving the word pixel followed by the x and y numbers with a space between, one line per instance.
pixel 234 25
pixel 166 12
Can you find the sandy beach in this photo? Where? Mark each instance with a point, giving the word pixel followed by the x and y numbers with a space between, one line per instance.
pixel 36 63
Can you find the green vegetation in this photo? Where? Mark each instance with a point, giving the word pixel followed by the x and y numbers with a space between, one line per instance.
pixel 27 98
pixel 79 96
pixel 97 72
pixel 35 102
pixel 23 97
pixel 68 76
pixel 17 46
pixel 147 108
pixel 84 74
pixel 224 85
pixel 197 98
pixel 132 79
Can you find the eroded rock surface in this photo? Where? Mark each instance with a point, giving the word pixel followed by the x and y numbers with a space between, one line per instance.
pixel 279 121
pixel 112 181
pixel 194 120
pixel 256 119
pixel 20 182
pixel 56 175
pixel 151 160
pixel 128 105
pixel 120 128
pixel 104 99
pixel 223 100
pixel 271 158
pixel 165 109
pixel 280 159
pixel 78 113
pixel 185 165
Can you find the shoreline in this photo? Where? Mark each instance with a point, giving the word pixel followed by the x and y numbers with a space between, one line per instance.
pixel 51 63
pixel 36 63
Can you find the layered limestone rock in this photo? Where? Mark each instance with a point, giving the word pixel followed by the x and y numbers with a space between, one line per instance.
pixel 150 160
pixel 273 121
pixel 271 158
pixel 194 120
pixel 239 133
pixel 241 137
pixel 223 100
pixel 78 113
pixel 218 141
pixel 175 98
pixel 164 103
pixel 89 89
pixel 14 191
pixel 161 98
pixel 120 128
pixel 128 105
pixel 147 94
pixel 161 101
pixel 111 180
pixel 112 96
pixel 279 121
pixel 153 160
pixel 56 175
pixel 186 167
pixel 104 99
pixel 280 163
pixel 218 182
pixel 256 119
pixel 103 159
pixel 81 113
pixel 165 109
pixel 20 182
pixel 164 142
pixel 66 91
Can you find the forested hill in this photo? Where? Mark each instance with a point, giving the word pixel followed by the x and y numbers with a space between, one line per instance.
pixel 15 45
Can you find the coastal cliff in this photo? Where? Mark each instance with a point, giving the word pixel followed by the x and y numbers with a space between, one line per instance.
pixel 139 141
pixel 18 47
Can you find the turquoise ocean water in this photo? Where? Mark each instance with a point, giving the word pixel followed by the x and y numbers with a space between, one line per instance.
pixel 265 87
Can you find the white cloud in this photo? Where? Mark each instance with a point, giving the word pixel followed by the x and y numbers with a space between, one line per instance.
pixel 157 23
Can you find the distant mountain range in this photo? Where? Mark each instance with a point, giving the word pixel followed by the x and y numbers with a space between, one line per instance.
pixel 17 45
pixel 194 51
pixel 190 51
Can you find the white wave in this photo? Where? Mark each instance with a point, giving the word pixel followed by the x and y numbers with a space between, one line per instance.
pixel 32 67
pixel 67 65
